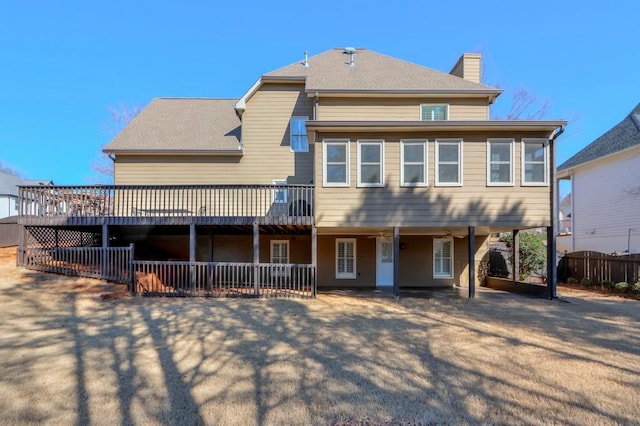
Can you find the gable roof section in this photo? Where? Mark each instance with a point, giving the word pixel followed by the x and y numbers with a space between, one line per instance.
pixel 9 183
pixel 183 126
pixel 625 134
pixel 374 72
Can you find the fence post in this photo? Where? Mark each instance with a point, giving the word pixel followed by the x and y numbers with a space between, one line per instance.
pixel 132 271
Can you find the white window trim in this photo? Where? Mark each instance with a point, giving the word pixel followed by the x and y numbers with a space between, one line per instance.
pixel 511 161
pixel 444 105
pixel 291 133
pixel 273 243
pixel 325 143
pixel 425 145
pixel 460 161
pixel 345 275
pixel 282 182
pixel 379 142
pixel 450 240
pixel 281 270
pixel 546 162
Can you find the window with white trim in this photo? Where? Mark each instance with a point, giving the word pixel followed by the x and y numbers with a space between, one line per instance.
pixel 434 112
pixel 298 134
pixel 345 258
pixel 280 195
pixel 335 162
pixel 413 162
pixel 534 162
pixel 449 162
pixel 500 162
pixel 370 163
pixel 280 251
pixel 443 257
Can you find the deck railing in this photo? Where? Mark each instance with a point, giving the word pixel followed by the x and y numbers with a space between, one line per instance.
pixel 111 263
pixel 214 279
pixel 167 201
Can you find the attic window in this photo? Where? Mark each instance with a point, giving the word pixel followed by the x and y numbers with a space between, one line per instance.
pixel 298 131
pixel 434 112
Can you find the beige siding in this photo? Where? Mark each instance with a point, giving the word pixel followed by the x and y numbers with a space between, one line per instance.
pixel 416 262
pixel 474 203
pixel 267 154
pixel 397 109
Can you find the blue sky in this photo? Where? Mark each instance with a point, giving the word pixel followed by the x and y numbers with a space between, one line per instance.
pixel 64 63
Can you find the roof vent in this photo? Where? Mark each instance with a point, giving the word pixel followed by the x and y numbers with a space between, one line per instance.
pixel 306 59
pixel 351 51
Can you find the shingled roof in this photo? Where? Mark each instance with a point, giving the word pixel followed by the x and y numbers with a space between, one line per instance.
pixel 9 183
pixel 625 134
pixel 181 125
pixel 372 71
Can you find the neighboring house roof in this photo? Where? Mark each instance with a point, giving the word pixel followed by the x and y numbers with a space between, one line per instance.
pixel 624 135
pixel 184 125
pixel 9 183
pixel 330 71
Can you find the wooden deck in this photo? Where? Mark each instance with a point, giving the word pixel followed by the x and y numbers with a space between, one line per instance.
pixel 166 205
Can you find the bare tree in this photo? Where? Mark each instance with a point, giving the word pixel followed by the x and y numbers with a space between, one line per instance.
pixel 119 117
pixel 10 170
pixel 525 106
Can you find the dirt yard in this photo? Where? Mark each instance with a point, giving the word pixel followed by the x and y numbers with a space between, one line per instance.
pixel 69 357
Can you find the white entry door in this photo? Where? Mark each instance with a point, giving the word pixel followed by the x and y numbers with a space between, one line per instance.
pixel 384 262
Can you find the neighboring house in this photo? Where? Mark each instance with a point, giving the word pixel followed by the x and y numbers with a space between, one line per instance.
pixel 564 228
pixel 375 170
pixel 605 191
pixel 9 192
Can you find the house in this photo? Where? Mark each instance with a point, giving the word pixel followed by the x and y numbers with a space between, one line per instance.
pixel 605 191
pixel 9 192
pixel 352 168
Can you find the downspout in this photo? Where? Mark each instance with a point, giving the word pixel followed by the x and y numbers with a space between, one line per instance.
pixel 552 271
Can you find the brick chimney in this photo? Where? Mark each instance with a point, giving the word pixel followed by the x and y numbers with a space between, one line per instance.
pixel 469 67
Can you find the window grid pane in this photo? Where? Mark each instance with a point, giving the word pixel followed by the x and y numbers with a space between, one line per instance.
pixel 413 163
pixel 298 131
pixel 448 162
pixel 534 162
pixel 500 162
pixel 370 163
pixel 336 166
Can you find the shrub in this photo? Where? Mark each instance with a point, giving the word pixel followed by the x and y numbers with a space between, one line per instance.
pixel 636 287
pixel 533 253
pixel 587 281
pixel 622 286
pixel 607 285
pixel 572 280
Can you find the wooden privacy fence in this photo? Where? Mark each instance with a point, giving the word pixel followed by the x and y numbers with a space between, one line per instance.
pixel 215 279
pixel 110 263
pixel 599 267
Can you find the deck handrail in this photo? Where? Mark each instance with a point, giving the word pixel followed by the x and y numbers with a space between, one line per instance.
pixel 226 200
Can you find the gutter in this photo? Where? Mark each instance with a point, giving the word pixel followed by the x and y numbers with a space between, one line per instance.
pixel 181 152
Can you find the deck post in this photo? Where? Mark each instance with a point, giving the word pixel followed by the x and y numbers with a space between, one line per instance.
pixel 552 273
pixel 256 258
pixel 516 256
pixel 132 271
pixel 314 260
pixel 192 256
pixel 104 264
pixel 396 262
pixel 472 262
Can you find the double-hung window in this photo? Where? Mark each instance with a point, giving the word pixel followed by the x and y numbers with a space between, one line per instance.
pixel 335 161
pixel 534 162
pixel 345 258
pixel 434 112
pixel 413 162
pixel 298 134
pixel 443 257
pixel 370 163
pixel 279 256
pixel 500 162
pixel 449 162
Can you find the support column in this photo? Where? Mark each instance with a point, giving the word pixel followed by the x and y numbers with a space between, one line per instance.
pixel 256 259
pixel 314 259
pixel 104 263
pixel 396 262
pixel 472 262
pixel 516 256
pixel 192 256
pixel 552 272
